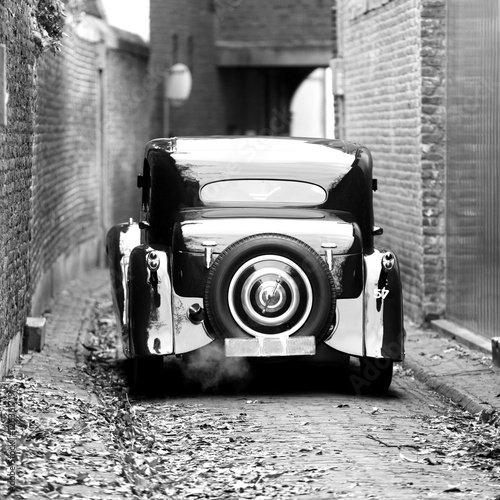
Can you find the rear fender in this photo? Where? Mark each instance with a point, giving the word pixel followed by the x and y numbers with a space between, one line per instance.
pixel 384 333
pixel 150 302
pixel 120 241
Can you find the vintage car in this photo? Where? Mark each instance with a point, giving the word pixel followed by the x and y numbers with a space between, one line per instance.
pixel 264 245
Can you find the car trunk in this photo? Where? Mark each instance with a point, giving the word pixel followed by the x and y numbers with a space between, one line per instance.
pixel 200 235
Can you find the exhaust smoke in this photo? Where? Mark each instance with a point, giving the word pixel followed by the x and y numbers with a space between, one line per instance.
pixel 211 369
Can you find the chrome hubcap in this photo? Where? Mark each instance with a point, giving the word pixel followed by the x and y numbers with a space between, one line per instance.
pixel 270 295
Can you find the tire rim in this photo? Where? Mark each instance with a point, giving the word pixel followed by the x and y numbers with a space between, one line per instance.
pixel 270 295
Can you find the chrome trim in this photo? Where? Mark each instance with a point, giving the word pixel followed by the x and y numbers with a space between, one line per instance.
pixel 171 145
pixel 388 261
pixel 329 253
pixel 267 295
pixel 209 248
pixel 273 286
pixel 153 261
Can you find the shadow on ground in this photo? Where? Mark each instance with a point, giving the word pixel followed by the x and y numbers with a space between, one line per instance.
pixel 253 379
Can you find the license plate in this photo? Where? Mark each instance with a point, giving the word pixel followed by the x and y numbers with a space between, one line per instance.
pixel 267 347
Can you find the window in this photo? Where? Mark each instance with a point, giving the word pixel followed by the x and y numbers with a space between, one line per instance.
pixel 249 192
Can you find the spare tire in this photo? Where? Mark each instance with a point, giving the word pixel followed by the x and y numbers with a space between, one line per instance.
pixel 270 285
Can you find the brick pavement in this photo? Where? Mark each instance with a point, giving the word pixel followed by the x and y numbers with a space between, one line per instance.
pixel 463 374
pixel 458 372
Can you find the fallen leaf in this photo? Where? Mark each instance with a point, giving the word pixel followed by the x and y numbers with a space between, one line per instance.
pixel 407 459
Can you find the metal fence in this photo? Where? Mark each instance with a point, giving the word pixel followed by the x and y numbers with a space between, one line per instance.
pixel 473 153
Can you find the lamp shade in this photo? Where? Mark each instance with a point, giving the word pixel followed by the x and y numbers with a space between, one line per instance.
pixel 178 85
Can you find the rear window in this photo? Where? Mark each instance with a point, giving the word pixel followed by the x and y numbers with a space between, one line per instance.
pixel 244 192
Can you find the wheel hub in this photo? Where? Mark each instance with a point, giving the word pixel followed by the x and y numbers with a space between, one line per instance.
pixel 271 295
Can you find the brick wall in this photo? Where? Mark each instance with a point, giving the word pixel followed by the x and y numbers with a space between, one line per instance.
pixel 65 213
pixel 69 156
pixel 278 22
pixel 15 175
pixel 381 46
pixel 91 128
pixel 394 60
pixel 183 31
pixel 433 146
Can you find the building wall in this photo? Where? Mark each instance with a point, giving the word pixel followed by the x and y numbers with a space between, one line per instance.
pixel 265 50
pixel 127 117
pixel 15 176
pixel 182 31
pixel 241 54
pixel 274 22
pixel 381 47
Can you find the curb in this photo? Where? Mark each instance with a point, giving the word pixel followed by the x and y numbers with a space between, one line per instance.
pixel 460 376
pixel 462 335
pixel 459 397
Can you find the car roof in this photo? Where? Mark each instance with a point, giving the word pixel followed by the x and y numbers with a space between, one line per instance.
pixel 248 156
pixel 250 146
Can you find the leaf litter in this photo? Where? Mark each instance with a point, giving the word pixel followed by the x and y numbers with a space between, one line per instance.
pixel 113 447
